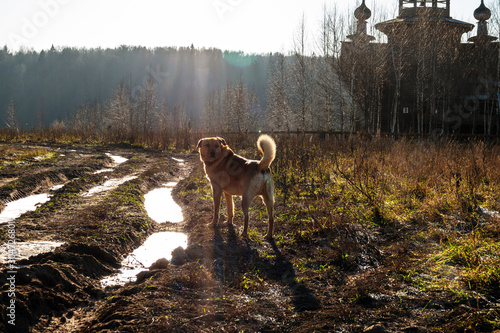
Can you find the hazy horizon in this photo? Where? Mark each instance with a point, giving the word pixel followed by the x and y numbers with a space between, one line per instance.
pixel 234 25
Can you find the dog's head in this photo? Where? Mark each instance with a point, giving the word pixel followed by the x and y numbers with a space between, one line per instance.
pixel 211 149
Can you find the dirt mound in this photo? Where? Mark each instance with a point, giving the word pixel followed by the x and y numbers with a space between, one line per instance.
pixel 47 285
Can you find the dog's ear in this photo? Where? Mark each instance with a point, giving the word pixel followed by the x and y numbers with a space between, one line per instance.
pixel 199 143
pixel 222 141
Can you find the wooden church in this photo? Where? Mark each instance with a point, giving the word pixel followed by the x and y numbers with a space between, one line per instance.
pixel 425 77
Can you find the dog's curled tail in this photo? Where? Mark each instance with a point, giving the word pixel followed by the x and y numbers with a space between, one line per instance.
pixel 267 147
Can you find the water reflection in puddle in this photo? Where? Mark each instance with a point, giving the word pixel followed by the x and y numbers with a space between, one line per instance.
pixel 108 185
pixel 178 160
pixel 161 206
pixel 157 246
pixel 117 159
pixel 103 171
pixel 17 208
pixel 24 250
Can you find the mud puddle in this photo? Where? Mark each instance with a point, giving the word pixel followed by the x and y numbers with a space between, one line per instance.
pixel 157 246
pixel 178 160
pixel 112 183
pixel 108 185
pixel 162 208
pixel 17 208
pixel 24 250
pixel 13 251
pixel 103 171
pixel 56 187
pixel 117 159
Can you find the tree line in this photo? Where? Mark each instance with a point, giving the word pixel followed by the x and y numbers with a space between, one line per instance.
pixel 131 91
pixel 55 85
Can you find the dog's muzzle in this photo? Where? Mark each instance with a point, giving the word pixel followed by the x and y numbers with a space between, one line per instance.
pixel 213 154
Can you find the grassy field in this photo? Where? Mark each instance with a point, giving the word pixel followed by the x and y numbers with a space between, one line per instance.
pixel 449 190
pixel 411 227
pixel 372 235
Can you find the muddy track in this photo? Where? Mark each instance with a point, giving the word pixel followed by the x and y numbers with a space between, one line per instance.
pixel 98 230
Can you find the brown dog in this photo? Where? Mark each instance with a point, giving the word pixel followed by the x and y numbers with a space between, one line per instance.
pixel 236 175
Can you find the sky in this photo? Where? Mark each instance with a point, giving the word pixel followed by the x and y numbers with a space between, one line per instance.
pixel 252 26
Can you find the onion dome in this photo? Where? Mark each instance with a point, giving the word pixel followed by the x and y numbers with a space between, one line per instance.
pixel 482 13
pixel 362 13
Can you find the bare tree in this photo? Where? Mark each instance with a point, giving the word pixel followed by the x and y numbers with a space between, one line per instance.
pixel 495 20
pixel 301 78
pixel 254 110
pixel 212 119
pixel 279 115
pixel 238 111
pixel 11 120
pixel 396 50
pixel 232 108
pixel 120 113
pixel 147 105
pixel 88 120
pixel 332 95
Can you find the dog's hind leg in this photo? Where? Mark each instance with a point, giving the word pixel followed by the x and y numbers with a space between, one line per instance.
pixel 268 198
pixel 230 209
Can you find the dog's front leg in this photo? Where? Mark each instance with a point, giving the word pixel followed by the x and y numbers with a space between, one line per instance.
pixel 230 209
pixel 216 193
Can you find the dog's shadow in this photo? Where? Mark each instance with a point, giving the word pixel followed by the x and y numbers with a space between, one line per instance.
pixel 229 254
pixel 234 256
pixel 281 270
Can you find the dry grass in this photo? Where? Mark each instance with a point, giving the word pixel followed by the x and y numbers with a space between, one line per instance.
pixel 362 218
pixel 437 191
pixel 176 139
pixel 382 181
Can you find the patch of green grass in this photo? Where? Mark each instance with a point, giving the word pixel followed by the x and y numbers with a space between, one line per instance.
pixel 198 186
pixel 256 234
pixel 128 195
pixel 12 185
pixel 140 224
pixel 252 280
pixel 3 236
pixel 474 259
pixel 24 157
